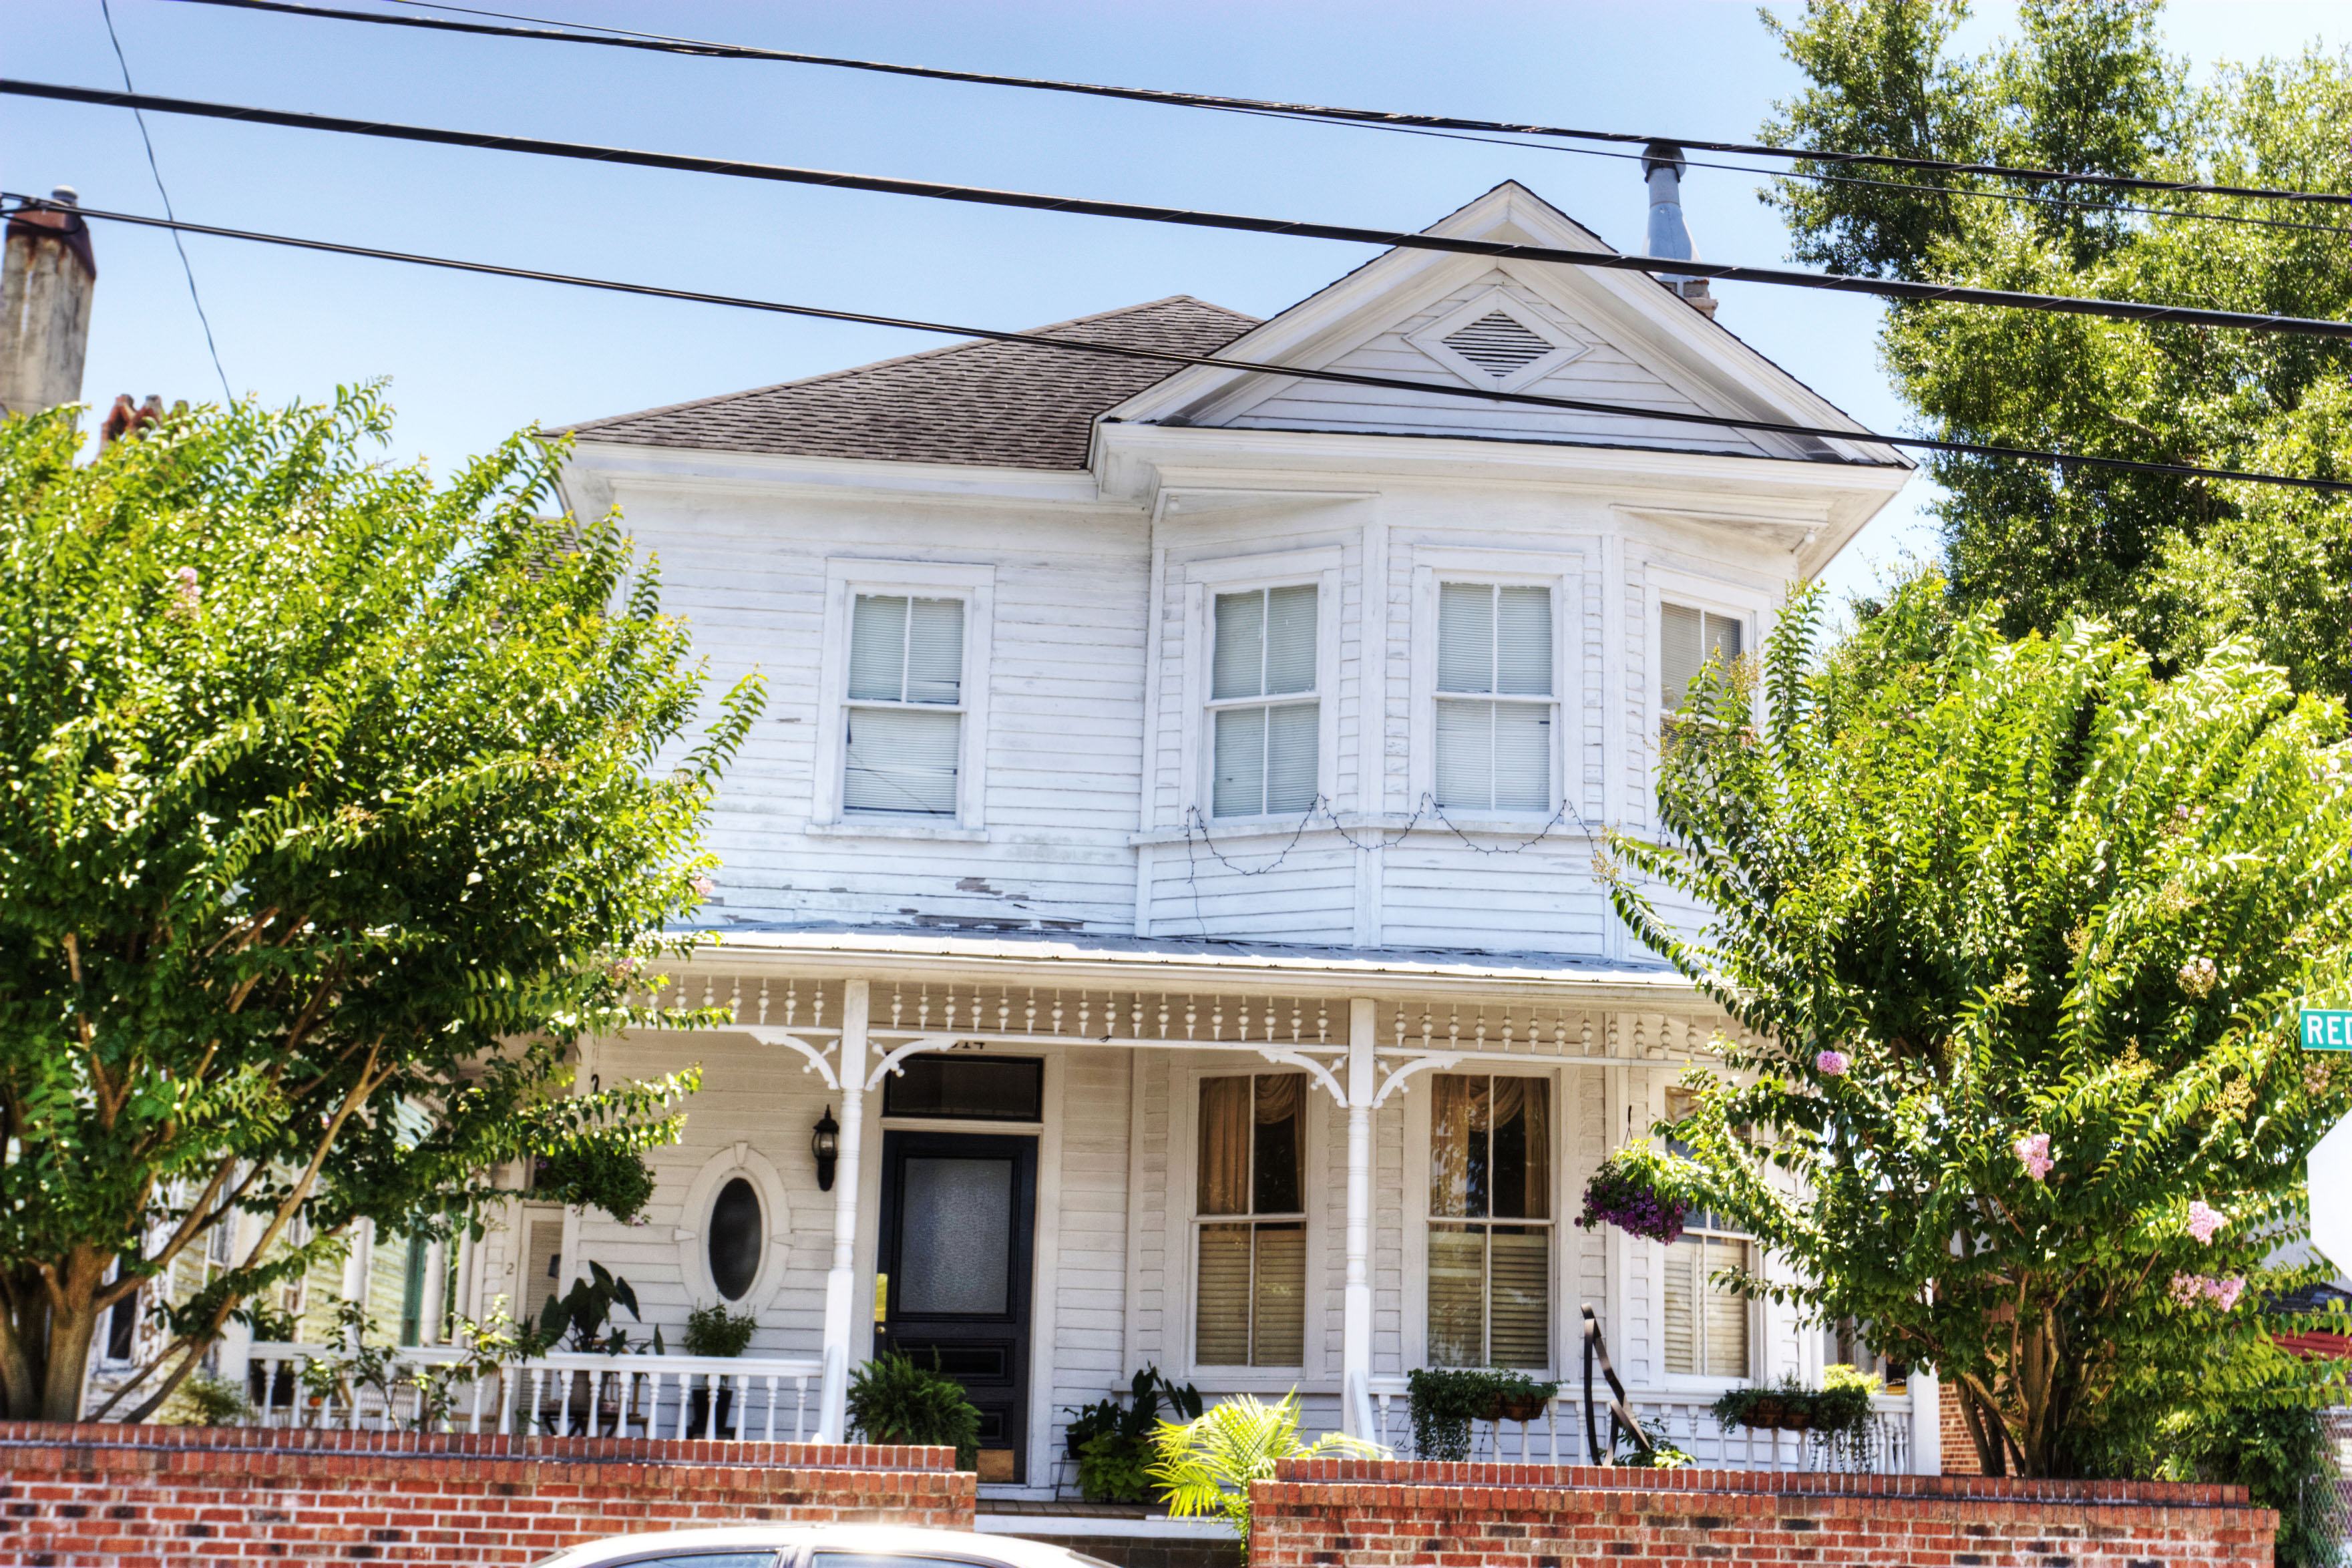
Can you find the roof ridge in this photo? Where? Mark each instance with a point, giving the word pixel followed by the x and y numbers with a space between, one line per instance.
pixel 959 347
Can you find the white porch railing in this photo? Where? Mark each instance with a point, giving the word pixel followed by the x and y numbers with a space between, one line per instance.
pixel 431 1388
pixel 1556 1436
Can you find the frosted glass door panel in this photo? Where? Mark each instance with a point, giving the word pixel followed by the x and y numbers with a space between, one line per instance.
pixel 956 1247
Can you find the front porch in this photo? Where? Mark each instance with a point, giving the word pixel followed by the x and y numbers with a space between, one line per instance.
pixel 1259 1169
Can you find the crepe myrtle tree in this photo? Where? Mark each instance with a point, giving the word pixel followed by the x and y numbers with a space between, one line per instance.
pixel 337 806
pixel 2018 933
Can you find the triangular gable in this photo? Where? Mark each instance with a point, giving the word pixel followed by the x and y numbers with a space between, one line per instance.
pixel 1596 334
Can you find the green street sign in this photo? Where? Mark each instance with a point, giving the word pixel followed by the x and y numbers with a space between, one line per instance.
pixel 2327 1030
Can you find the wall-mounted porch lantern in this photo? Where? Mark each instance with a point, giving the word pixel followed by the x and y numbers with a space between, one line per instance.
pixel 825 1144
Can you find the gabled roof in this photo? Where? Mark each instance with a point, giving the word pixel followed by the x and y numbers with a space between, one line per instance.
pixel 1001 404
pixel 1621 338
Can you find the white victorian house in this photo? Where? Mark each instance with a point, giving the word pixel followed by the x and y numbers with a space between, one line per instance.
pixel 1167 854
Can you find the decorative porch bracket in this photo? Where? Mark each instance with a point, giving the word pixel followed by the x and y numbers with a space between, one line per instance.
pixel 817 1052
pixel 891 1064
pixel 1394 1079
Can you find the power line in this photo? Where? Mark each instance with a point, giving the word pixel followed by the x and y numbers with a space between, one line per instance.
pixel 1883 288
pixel 106 9
pixel 624 37
pixel 1851 438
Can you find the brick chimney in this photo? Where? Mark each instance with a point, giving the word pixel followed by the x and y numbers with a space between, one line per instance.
pixel 45 295
pixel 1662 167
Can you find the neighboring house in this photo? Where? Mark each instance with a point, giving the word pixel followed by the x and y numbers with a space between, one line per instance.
pixel 1167 850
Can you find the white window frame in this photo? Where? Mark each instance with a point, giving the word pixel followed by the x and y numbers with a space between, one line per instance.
pixel 1415 1319
pixel 1317 1376
pixel 1664 585
pixel 1562 573
pixel 1760 1368
pixel 1204 580
pixel 846 578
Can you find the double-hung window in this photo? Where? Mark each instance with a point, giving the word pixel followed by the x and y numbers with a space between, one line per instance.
pixel 1250 1283
pixel 904 706
pixel 1494 698
pixel 1263 703
pixel 1489 1221
pixel 1687 638
pixel 1706 1318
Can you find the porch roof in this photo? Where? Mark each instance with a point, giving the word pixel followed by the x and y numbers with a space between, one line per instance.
pixel 1074 958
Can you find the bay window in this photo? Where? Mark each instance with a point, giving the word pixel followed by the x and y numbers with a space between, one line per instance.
pixel 1263 702
pixel 1494 698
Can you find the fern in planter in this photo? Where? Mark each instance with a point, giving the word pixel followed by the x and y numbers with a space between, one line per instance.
pixel 893 1400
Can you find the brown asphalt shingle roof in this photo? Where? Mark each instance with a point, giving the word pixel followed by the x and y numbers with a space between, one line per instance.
pixel 1006 404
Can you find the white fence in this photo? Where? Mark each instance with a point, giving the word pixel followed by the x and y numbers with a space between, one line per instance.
pixel 437 1388
pixel 1557 1437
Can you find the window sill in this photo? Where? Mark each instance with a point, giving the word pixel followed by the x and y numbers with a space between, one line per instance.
pixel 860 828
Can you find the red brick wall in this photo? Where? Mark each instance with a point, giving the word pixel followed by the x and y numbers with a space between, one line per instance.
pixel 1350 1511
pixel 141 1497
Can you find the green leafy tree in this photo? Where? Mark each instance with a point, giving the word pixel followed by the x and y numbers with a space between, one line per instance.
pixel 336 807
pixel 2017 933
pixel 2086 88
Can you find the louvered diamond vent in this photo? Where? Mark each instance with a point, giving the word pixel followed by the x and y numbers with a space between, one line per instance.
pixel 1498 345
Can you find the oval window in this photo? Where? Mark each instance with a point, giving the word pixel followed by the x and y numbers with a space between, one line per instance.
pixel 735 1238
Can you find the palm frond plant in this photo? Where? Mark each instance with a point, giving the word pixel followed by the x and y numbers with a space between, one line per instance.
pixel 1206 1466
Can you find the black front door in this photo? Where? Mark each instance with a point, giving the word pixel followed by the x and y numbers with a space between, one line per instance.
pixel 958 1219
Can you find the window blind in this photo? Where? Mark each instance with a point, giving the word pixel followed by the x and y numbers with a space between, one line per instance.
pixel 1494 756
pixel 906 661
pixel 1706 1326
pixel 1250 1280
pixel 1265 760
pixel 1687 638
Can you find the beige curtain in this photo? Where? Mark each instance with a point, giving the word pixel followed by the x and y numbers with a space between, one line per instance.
pixel 1277 1097
pixel 1525 1194
pixel 1457 1114
pixel 1224 1146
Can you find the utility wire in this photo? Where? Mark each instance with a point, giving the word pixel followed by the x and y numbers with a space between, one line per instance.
pixel 106 9
pixel 1885 288
pixel 624 37
pixel 1851 438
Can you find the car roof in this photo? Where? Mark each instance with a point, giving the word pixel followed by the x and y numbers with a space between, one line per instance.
pixel 909 1540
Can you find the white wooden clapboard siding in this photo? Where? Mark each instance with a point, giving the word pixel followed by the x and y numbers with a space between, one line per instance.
pixel 1089 1282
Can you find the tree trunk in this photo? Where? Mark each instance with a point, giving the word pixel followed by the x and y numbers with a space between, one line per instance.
pixel 24 1343
pixel 71 1326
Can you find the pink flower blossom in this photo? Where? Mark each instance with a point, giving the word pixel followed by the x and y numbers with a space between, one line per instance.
pixel 2203 1221
pixel 2187 1289
pixel 187 592
pixel 703 887
pixel 2034 1151
pixel 1832 1064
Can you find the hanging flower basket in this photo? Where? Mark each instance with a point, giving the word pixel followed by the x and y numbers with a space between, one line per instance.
pixel 1779 1415
pixel 1622 1199
pixel 1513 1407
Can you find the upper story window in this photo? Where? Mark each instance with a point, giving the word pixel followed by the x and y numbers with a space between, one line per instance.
pixel 904 703
pixel 1489 1221
pixel 1265 705
pixel 1687 638
pixel 1494 698
pixel 1250 1211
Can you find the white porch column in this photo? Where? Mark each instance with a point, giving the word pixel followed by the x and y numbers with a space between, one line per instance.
pixel 1355 1325
pixel 1926 1424
pixel 840 1316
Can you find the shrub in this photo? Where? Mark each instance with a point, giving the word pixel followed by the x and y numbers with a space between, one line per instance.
pixel 715 1331
pixel 893 1400
pixel 1206 1466
pixel 1112 1444
pixel 204 1400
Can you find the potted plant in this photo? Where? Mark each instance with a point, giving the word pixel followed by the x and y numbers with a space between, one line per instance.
pixel 893 1400
pixel 714 1331
pixel 1112 1446
pixel 582 1320
pixel 1619 1194
pixel 1837 1413
pixel 1446 1400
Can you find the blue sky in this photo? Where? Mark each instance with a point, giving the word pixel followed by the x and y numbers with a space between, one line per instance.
pixel 472 359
